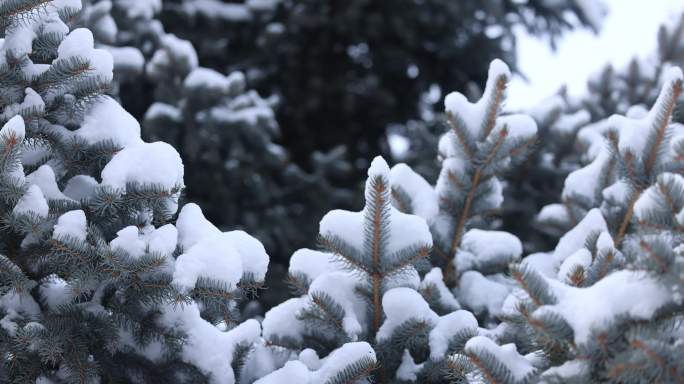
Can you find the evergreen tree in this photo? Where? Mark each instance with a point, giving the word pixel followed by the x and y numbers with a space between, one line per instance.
pixel 480 146
pixel 364 290
pixel 354 67
pixel 98 279
pixel 610 92
pixel 606 304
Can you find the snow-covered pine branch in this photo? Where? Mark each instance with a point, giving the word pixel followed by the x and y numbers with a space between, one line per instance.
pixel 97 282
pixel 606 304
pixel 366 286
pixel 480 146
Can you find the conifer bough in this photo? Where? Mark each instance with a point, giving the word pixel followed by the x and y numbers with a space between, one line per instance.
pixel 99 281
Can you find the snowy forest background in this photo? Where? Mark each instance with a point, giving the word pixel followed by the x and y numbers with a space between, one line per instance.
pixel 324 191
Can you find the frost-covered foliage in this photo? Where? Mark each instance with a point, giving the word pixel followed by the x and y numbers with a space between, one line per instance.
pixel 99 281
pixel 364 294
pixel 475 152
pixel 606 304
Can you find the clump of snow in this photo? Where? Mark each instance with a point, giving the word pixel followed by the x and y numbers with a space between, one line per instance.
pixel 129 241
pixel 547 108
pixel 127 59
pixel 44 177
pixel 12 134
pixel 107 120
pixel 408 369
pixel 474 114
pixel 585 181
pixel 293 371
pixel 541 262
pixel 72 224
pixel 507 354
pixel 621 293
pixel 192 226
pixel 140 9
pixel 340 287
pixel 489 247
pixel 251 252
pixel 618 192
pixel 435 279
pixel 339 359
pixel 80 43
pixel 33 201
pixel 208 348
pixel 155 163
pixel 213 257
pixel 553 212
pixel 210 253
pixel 206 78
pixel 567 370
pixel 574 239
pixel 447 327
pixel 400 305
pixel 311 263
pixel 519 126
pixel 582 258
pixel 423 197
pixel 310 358
pixel 215 9
pixel 281 320
pixel 479 293
pixel 161 240
pixel 160 110
pixel 399 145
pixel 32 102
pixel 14 128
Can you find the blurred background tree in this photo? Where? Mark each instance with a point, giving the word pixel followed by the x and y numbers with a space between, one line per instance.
pixel 338 74
pixel 347 69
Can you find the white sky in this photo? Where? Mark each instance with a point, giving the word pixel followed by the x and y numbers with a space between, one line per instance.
pixel 629 29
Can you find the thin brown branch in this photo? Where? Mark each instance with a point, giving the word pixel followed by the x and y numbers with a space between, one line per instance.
pixel 465 213
pixel 662 362
pixel 671 103
pixel 376 277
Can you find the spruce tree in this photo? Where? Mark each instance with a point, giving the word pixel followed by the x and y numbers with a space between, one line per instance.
pixel 477 149
pixel 606 304
pixel 365 289
pixel 99 280
pixel 354 67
